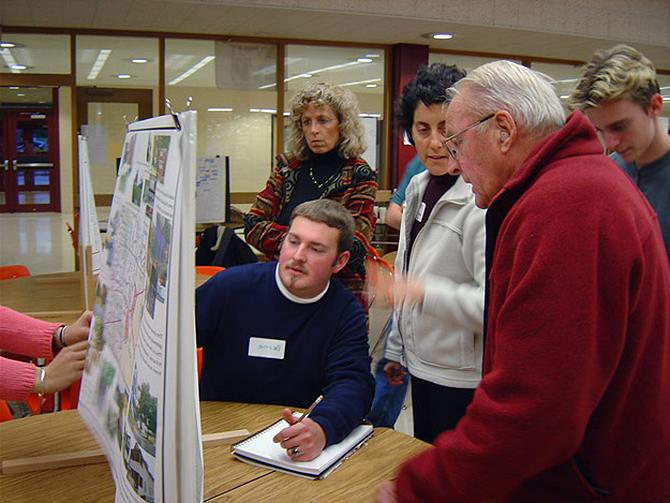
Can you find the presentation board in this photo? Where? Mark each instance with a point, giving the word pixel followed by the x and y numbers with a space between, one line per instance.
pixel 139 392
pixel 89 230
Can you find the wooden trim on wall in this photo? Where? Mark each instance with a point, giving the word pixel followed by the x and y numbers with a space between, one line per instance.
pixel 206 36
pixel 281 89
pixel 38 79
pixel 161 76
pixel 387 131
pixel 269 40
pixel 74 130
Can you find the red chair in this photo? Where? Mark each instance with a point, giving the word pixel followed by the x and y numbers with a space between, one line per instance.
pixel 208 270
pixel 198 354
pixel 13 271
pixel 69 397
pixel 5 413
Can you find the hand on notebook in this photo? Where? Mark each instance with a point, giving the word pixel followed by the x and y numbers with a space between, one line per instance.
pixel 302 440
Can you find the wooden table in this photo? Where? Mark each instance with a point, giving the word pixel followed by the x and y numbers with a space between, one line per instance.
pixel 226 479
pixel 45 295
pixel 51 297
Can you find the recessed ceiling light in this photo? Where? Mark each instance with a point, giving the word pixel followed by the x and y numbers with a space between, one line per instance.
pixel 99 63
pixel 18 67
pixel 204 61
pixel 123 76
pixel 364 60
pixel 139 60
pixel 370 85
pixel 7 45
pixel 21 94
pixel 219 109
pixel 442 36
pixel 372 55
pixel 14 88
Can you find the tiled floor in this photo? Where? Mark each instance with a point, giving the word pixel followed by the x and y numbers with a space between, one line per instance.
pixel 39 241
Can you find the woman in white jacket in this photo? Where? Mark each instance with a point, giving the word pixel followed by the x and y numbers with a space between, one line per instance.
pixel 438 288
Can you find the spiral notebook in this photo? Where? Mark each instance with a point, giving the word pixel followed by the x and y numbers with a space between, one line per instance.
pixel 260 450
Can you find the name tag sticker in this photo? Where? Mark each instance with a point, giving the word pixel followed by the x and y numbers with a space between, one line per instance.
pixel 419 214
pixel 267 348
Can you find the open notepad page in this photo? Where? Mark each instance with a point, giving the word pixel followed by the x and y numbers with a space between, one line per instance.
pixel 260 450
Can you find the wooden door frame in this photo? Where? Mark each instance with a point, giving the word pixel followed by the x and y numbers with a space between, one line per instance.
pixel 85 95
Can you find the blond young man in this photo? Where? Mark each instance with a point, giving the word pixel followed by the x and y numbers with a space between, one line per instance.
pixel 619 93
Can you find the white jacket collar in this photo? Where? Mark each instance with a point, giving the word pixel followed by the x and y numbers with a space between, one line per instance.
pixel 459 193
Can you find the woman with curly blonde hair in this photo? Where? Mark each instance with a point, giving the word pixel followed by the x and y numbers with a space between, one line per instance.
pixel 325 142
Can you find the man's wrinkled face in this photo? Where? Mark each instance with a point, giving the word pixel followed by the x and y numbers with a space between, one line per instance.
pixel 308 257
pixel 475 151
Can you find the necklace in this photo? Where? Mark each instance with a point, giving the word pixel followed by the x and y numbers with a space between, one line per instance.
pixel 326 182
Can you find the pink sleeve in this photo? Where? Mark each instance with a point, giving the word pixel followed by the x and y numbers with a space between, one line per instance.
pixel 24 335
pixel 16 379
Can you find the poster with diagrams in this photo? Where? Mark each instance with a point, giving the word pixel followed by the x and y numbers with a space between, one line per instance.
pixel 139 393
pixel 89 229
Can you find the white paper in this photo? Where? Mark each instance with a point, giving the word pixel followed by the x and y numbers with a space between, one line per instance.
pixel 210 190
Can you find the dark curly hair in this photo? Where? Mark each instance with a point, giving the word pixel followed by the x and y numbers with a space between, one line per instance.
pixel 429 87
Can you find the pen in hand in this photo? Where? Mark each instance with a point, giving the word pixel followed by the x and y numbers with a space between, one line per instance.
pixel 310 433
pixel 310 409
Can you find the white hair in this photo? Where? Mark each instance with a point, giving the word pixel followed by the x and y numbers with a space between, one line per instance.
pixel 527 95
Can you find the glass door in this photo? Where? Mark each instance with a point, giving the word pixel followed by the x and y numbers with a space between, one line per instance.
pixel 30 178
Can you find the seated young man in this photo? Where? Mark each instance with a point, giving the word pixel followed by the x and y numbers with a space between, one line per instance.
pixel 285 332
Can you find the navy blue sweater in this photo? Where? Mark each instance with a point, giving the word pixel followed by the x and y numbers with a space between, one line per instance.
pixel 326 347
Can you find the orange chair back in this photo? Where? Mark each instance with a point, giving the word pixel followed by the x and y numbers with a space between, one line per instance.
pixel 208 270
pixel 69 397
pixel 198 353
pixel 13 271
pixel 5 413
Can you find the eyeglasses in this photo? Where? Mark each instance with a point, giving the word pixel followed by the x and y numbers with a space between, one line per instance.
pixel 448 143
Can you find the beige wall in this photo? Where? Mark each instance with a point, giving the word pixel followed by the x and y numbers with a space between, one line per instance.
pixel 246 137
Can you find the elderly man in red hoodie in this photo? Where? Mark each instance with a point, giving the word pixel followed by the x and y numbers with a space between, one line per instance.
pixel 574 404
